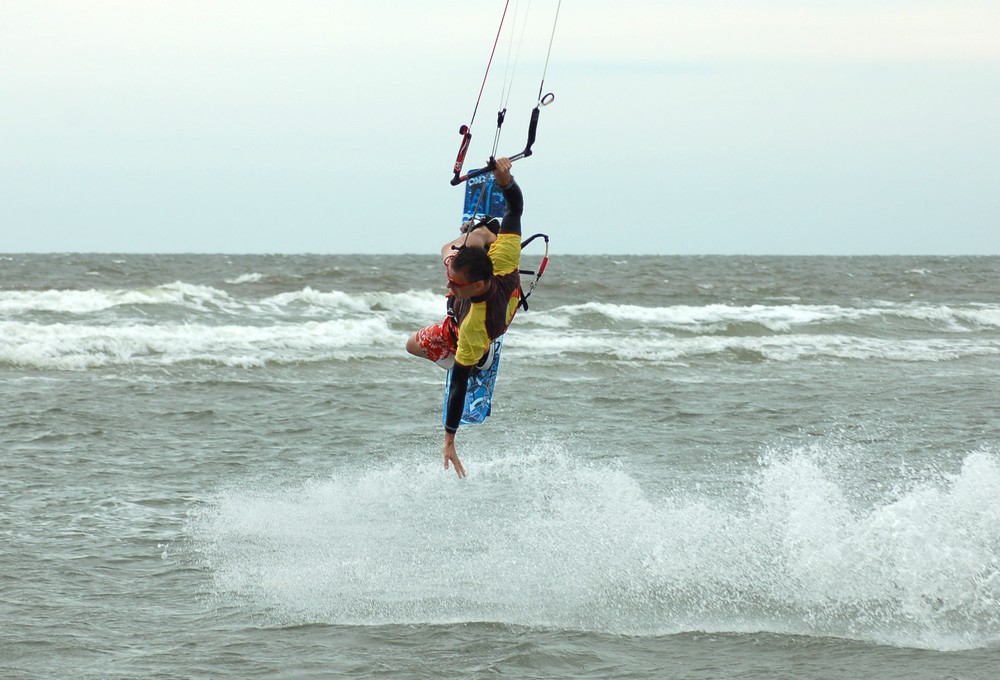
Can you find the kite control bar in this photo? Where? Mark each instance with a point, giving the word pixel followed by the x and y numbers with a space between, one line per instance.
pixel 491 165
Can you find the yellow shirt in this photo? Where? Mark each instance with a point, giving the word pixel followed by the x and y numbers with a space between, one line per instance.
pixel 481 320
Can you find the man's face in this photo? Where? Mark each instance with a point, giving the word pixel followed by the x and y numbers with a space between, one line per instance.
pixel 461 286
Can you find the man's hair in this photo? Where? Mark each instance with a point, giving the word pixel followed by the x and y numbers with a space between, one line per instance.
pixel 474 262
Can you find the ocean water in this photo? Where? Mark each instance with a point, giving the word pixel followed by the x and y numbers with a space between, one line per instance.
pixel 696 467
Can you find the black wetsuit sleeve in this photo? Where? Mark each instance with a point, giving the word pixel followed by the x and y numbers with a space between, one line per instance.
pixel 456 396
pixel 511 222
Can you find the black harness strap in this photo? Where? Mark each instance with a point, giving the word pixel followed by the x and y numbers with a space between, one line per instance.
pixel 541 269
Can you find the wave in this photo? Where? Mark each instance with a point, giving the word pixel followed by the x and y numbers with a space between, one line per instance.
pixel 709 318
pixel 654 348
pixel 181 297
pixel 719 318
pixel 585 547
pixel 62 346
pixel 76 347
pixel 182 322
pixel 253 277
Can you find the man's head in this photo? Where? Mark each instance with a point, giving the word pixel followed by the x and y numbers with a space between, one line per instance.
pixel 470 272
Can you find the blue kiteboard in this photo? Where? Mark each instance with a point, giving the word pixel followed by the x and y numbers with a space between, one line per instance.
pixel 479 397
pixel 483 197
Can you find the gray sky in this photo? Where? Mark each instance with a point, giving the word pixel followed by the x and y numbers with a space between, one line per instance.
pixel 679 127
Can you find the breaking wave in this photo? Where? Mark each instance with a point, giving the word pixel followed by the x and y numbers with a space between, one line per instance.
pixel 180 323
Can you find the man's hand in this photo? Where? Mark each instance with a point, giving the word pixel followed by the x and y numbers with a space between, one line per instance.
pixel 451 455
pixel 502 171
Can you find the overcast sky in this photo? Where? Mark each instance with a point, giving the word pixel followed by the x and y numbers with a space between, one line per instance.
pixel 331 126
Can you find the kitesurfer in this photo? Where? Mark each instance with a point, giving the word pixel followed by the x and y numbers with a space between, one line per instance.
pixel 484 293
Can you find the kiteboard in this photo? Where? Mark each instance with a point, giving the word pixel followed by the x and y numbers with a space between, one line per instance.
pixel 483 197
pixel 482 380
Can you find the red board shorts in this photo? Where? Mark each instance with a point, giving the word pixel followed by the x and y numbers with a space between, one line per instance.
pixel 437 340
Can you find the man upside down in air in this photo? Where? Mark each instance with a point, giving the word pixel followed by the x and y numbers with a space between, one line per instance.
pixel 485 288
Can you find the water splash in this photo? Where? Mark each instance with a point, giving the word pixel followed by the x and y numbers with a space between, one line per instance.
pixel 547 539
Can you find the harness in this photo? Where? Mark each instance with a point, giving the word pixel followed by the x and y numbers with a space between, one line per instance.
pixel 537 274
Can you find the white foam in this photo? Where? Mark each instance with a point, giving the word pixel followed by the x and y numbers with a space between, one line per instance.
pixel 179 322
pixel 541 538
pixel 716 318
pixel 206 298
pixel 88 301
pixel 252 277
pixel 76 346
pixel 412 304
pixel 650 346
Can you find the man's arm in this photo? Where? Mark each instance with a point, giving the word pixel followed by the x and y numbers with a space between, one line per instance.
pixel 511 222
pixel 458 388
pixel 456 397
pixel 477 238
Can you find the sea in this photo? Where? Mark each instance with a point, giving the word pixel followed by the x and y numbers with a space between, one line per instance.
pixel 227 466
